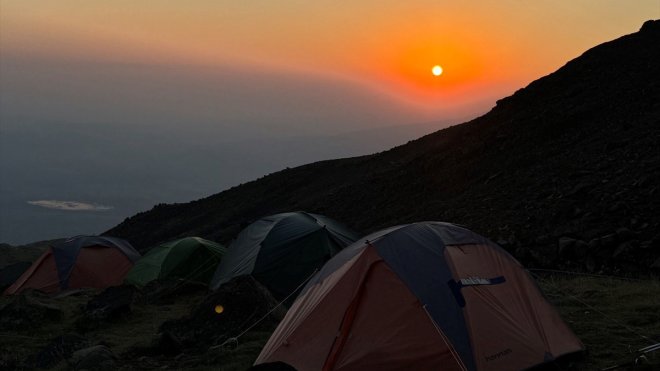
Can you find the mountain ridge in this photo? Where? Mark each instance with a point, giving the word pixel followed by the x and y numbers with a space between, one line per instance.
pixel 563 172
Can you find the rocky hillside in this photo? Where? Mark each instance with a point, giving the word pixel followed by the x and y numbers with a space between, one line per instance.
pixel 564 173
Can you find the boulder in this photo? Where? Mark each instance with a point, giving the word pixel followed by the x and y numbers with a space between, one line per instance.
pixel 581 249
pixel 167 291
pixel 591 264
pixel 108 305
pixel 580 191
pixel 622 249
pixel 609 240
pixel 565 247
pixel 571 248
pixel 98 357
pixel 624 234
pixel 58 349
pixel 656 264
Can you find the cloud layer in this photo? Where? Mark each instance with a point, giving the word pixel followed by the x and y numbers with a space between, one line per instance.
pixel 69 205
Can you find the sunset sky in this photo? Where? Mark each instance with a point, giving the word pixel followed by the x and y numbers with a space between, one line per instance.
pixel 107 106
pixel 487 49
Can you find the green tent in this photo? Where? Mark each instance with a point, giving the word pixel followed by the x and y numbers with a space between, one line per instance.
pixel 190 258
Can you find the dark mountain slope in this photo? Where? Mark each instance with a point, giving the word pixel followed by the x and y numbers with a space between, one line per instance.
pixel 575 155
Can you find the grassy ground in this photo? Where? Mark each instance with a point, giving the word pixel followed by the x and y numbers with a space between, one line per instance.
pixel 239 358
pixel 612 317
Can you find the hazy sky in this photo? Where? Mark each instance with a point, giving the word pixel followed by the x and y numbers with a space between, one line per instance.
pixel 487 48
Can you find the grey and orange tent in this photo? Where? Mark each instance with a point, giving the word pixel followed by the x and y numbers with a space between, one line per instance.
pixel 423 296
pixel 78 262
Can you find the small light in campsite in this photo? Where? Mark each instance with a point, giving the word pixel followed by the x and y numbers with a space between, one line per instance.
pixel 219 309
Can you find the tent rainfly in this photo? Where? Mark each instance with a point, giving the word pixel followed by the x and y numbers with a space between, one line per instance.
pixel 79 262
pixel 281 251
pixel 423 296
pixel 191 258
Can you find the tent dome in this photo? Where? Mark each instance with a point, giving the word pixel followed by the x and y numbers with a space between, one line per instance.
pixel 283 250
pixel 423 296
pixel 81 261
pixel 190 258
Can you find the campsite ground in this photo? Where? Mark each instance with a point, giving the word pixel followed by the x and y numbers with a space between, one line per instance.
pixel 613 317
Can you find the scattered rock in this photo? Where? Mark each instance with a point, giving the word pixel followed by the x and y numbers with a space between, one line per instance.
pixel 615 207
pixel 624 234
pixel 565 247
pixel 621 249
pixel 594 245
pixel 645 245
pixel 581 249
pixel 98 357
pixel 542 240
pixel 580 190
pixel 166 291
pixel 522 254
pixel 608 240
pixel 656 264
pixel 590 264
pixel 110 304
pixel 29 309
pixel 655 243
pixel 59 349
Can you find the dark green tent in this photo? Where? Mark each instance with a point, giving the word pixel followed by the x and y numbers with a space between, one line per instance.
pixel 190 258
pixel 281 251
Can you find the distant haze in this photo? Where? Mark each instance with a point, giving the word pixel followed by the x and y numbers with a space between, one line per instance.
pixel 85 145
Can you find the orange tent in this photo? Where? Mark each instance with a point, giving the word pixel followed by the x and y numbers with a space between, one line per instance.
pixel 423 296
pixel 82 261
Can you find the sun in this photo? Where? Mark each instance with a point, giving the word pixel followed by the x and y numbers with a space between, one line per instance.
pixel 436 70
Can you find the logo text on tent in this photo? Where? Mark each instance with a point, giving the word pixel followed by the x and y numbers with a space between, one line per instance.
pixel 498 355
pixel 473 281
pixel 456 286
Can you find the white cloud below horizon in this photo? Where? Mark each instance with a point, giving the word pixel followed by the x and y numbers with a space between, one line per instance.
pixel 69 205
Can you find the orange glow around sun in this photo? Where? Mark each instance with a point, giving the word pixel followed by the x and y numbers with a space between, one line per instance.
pixel 393 51
pixel 409 66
